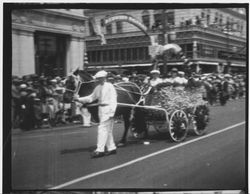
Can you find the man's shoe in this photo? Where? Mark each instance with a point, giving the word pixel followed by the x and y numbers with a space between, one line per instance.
pixel 111 152
pixel 93 123
pixel 96 154
pixel 121 144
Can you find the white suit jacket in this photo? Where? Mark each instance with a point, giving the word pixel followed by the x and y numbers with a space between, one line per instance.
pixel 107 98
pixel 154 82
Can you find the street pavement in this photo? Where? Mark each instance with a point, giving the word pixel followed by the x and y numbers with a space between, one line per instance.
pixel 60 158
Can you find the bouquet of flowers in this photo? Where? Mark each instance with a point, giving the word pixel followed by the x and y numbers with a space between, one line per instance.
pixel 171 98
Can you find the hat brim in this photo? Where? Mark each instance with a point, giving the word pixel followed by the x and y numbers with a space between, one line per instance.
pixel 100 77
pixel 155 72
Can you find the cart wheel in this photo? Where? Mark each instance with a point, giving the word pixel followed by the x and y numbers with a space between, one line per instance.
pixel 160 126
pixel 178 123
pixel 200 120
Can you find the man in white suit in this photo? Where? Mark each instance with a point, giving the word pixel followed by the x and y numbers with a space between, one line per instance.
pixel 106 95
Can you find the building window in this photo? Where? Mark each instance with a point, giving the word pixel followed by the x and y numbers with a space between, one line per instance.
pixel 146 18
pixel 216 17
pixel 94 53
pixel 89 56
pixel 119 27
pixel 171 18
pixel 157 20
pixel 208 16
pixel 50 53
pixel 98 56
pixel 111 55
pixel 109 29
pixel 134 54
pixel 105 56
pixel 116 57
pixel 129 56
pixel 202 14
pixel 221 19
pixel 146 54
pixel 122 52
pixel 140 50
pixel 189 50
pixel 199 50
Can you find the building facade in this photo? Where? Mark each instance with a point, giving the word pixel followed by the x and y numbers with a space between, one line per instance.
pixel 211 38
pixel 47 42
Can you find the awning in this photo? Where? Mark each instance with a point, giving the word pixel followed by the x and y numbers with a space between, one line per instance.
pixel 238 64
pixel 120 66
pixel 207 63
pixel 137 65
pixel 172 63
pixel 102 66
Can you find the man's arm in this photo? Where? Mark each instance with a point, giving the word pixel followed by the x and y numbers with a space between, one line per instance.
pixel 88 99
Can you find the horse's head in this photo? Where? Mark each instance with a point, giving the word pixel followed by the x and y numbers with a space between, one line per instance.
pixel 80 82
pixel 86 83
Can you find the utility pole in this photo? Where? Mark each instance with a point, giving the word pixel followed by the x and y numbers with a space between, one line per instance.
pixel 164 29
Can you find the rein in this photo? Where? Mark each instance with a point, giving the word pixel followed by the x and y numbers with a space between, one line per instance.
pixel 73 91
pixel 130 92
pixel 125 90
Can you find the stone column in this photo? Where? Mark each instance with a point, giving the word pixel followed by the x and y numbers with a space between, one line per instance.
pixel 15 53
pixel 75 54
pixel 151 17
pixel 23 53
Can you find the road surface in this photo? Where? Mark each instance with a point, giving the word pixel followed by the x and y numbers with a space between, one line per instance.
pixel 60 159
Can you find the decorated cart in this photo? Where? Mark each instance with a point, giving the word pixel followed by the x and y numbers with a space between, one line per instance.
pixel 173 110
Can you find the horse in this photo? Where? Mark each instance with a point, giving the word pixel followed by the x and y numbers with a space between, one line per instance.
pixel 83 84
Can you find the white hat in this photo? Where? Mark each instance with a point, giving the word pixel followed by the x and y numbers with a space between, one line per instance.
pixel 155 71
pixel 125 79
pixel 58 78
pixel 101 73
pixel 53 80
pixel 227 75
pixel 23 86
pixel 181 73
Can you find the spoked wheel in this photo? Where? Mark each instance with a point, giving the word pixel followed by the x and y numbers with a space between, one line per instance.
pixel 178 123
pixel 200 120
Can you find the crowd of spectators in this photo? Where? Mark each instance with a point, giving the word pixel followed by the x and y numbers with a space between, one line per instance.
pixel 39 100
pixel 228 86
pixel 36 99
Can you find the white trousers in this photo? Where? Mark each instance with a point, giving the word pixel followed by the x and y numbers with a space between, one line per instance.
pixel 105 136
pixel 86 116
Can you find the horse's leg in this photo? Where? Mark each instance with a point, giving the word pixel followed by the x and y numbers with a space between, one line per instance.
pixel 126 119
pixel 140 122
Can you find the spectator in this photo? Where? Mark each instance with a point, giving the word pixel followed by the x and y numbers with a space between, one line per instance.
pixel 155 78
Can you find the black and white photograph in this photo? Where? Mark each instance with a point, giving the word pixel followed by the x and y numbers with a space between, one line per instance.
pixel 139 97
